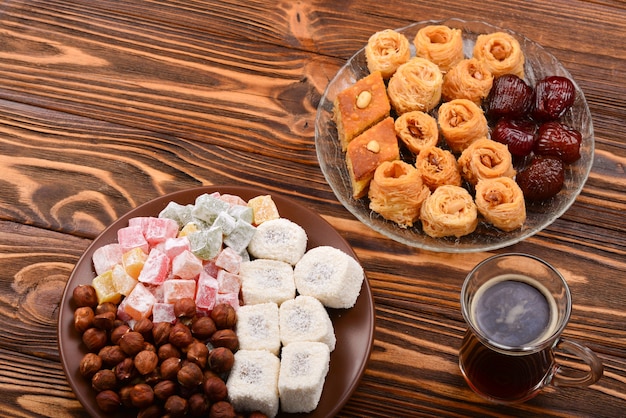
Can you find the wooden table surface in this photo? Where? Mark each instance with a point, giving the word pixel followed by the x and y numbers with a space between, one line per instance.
pixel 105 105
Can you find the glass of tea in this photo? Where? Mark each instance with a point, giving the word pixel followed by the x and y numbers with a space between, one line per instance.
pixel 516 306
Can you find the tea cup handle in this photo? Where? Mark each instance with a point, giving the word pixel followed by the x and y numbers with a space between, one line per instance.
pixel 565 376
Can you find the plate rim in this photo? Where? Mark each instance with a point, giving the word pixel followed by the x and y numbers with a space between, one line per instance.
pixel 368 319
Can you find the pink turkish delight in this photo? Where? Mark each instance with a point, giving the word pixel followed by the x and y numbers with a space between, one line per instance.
pixel 206 292
pixel 106 257
pixel 229 260
pixel 138 304
pixel 233 199
pixel 186 265
pixel 228 282
pixel 156 268
pixel 131 237
pixel 163 312
pixel 211 268
pixel 230 298
pixel 174 246
pixel 176 289
pixel 159 229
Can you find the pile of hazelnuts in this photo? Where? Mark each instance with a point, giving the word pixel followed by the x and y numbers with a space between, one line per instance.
pixel 158 369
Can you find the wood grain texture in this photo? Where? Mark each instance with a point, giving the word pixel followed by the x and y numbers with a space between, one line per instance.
pixel 106 105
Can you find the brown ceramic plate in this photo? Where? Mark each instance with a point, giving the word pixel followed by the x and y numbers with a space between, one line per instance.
pixel 354 328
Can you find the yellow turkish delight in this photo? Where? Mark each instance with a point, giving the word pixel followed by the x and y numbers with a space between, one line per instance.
pixel 105 290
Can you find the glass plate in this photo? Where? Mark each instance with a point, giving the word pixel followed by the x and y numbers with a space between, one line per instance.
pixel 354 327
pixel 539 63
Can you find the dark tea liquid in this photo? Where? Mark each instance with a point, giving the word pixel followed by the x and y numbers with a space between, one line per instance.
pixel 514 311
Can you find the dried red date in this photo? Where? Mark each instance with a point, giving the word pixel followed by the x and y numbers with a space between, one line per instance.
pixel 542 179
pixel 518 135
pixel 558 140
pixel 553 96
pixel 509 97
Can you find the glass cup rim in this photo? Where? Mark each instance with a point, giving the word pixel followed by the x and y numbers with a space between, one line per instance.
pixel 535 346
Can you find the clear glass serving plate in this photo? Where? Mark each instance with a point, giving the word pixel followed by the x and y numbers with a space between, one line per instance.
pixel 539 63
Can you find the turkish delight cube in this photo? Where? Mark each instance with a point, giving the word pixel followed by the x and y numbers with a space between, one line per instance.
pixel 174 246
pixel 230 298
pixel 107 256
pixel 186 265
pixel 240 236
pixel 105 290
pixel 133 261
pixel 228 282
pixel 123 282
pixel 131 237
pixel 264 209
pixel 176 289
pixel 207 207
pixel 232 199
pixel 225 222
pixel 229 260
pixel 206 292
pixel 245 213
pixel 155 269
pixel 174 211
pixel 163 312
pixel 206 243
pixel 159 229
pixel 138 304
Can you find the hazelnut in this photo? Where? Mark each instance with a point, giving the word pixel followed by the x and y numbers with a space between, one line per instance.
pixel 225 338
pixel 141 395
pixel 106 307
pixel 170 367
pixel 152 411
pixel 164 389
pixel 190 375
pixel 224 316
pixel 104 321
pixel 168 350
pixel 125 396
pixel 125 370
pixel 132 342
pixel 149 347
pixel 103 380
pixel 161 332
pixel 117 333
pixel 203 327
pixel 144 326
pixel 83 319
pixel 222 409
pixel 176 406
pixel 152 378
pixel 185 308
pixel 108 401
pixel 198 405
pixel 85 295
pixel 89 365
pixel 198 353
pixel 215 389
pixel 180 335
pixel 221 360
pixel 111 355
pixel 94 339
pixel 146 361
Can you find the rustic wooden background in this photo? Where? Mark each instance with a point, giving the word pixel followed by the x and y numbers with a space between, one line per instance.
pixel 107 104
